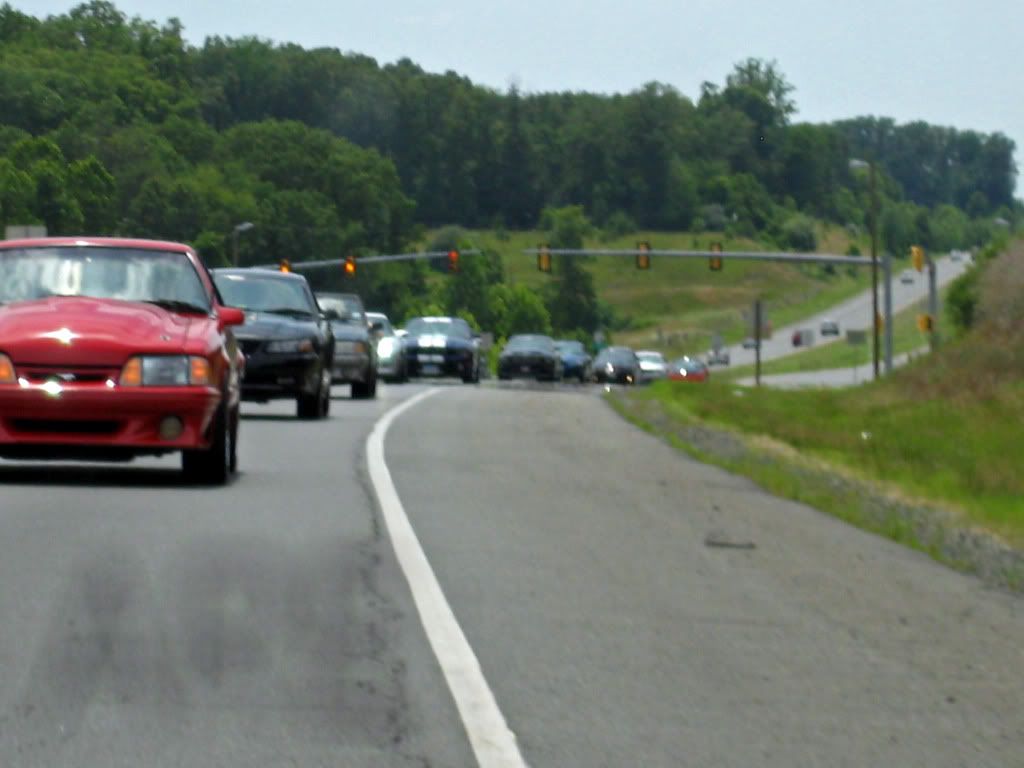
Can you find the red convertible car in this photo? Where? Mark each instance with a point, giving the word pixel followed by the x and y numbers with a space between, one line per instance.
pixel 112 349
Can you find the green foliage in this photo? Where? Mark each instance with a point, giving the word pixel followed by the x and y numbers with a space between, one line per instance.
pixel 572 302
pixel 799 233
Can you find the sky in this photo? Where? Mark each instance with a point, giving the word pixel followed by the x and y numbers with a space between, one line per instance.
pixel 949 62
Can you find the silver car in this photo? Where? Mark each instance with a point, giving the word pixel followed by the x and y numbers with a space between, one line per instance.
pixel 391 364
pixel 653 365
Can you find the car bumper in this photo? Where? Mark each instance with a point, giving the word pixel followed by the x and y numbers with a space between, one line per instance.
pixel 349 368
pixel 389 366
pixel 48 424
pixel 267 378
pixel 527 370
pixel 437 364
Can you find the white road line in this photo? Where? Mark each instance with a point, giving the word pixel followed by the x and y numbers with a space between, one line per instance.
pixel 492 741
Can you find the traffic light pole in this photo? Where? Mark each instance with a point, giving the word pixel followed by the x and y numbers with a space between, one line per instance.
pixel 874 265
pixel 887 276
pixel 757 343
pixel 933 304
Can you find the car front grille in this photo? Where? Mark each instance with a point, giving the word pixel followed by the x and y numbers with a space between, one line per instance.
pixel 68 374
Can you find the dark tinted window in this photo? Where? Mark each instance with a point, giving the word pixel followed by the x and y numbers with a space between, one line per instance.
pixel 264 292
pixel 441 326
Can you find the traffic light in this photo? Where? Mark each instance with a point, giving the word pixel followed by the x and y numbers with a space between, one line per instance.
pixel 917 257
pixel 643 255
pixel 544 257
pixel 924 323
pixel 715 262
pixel 453 260
pixel 284 265
pixel 349 266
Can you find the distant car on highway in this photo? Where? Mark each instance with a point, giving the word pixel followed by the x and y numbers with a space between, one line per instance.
pixel 576 363
pixel 355 352
pixel 750 343
pixel 617 365
pixel 829 328
pixel 907 276
pixel 688 369
pixel 116 348
pixel 442 346
pixel 652 365
pixel 531 356
pixel 288 343
pixel 391 365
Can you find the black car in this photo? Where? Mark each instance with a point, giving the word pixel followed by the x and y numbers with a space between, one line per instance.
pixel 442 346
pixel 355 353
pixel 617 365
pixel 530 356
pixel 288 343
pixel 576 363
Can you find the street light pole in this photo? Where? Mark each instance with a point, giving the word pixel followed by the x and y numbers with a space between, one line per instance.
pixel 874 263
pixel 245 226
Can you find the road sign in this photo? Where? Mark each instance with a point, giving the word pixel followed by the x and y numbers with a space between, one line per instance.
pixel 924 323
pixel 856 338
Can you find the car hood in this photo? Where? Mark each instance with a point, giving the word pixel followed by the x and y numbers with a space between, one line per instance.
pixel 266 325
pixel 350 332
pixel 87 331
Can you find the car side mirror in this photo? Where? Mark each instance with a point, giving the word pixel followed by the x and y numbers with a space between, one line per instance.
pixel 331 314
pixel 229 316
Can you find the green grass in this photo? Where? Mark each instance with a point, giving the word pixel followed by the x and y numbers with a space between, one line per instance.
pixel 679 303
pixel 965 452
pixel 840 354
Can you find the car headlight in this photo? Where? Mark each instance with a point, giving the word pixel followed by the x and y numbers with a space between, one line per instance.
pixel 351 347
pixel 286 346
pixel 166 371
pixel 6 370
pixel 609 368
pixel 386 347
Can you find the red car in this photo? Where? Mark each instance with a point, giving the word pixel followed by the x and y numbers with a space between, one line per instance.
pixel 114 348
pixel 688 369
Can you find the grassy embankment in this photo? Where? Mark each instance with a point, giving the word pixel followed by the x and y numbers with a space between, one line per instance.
pixel 679 303
pixel 945 430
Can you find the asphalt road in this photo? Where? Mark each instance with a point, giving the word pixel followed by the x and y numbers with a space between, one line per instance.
pixel 269 623
pixel 853 314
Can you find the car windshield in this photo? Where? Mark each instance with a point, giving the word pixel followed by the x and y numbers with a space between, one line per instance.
pixel 570 348
pixel 381 320
pixel 689 364
pixel 127 274
pixel 440 326
pixel 651 357
pixel 618 356
pixel 349 308
pixel 532 342
pixel 257 292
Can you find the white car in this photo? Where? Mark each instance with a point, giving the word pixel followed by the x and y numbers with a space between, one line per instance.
pixel 907 276
pixel 653 365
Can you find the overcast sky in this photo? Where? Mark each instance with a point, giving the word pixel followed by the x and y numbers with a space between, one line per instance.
pixel 950 62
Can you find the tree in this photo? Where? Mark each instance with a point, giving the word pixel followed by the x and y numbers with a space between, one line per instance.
pixel 572 303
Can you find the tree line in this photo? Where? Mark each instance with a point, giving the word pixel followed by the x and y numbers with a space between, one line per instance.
pixel 111 124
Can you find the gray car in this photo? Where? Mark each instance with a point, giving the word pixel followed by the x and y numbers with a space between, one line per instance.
pixel 355 353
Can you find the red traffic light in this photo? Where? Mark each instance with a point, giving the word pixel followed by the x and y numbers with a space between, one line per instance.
pixel 453 261
pixel 285 265
pixel 350 266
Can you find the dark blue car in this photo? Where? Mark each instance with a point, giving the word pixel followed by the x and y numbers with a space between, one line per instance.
pixel 576 363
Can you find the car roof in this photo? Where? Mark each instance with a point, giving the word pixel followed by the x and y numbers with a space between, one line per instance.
pixel 100 242
pixel 258 272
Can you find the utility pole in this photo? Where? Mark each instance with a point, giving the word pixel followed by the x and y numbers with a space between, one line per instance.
pixel 757 343
pixel 873 191
pixel 933 305
pixel 887 288
pixel 245 226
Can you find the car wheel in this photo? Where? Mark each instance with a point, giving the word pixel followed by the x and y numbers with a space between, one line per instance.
pixel 365 390
pixel 213 465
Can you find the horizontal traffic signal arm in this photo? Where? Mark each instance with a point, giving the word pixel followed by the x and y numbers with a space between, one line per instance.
pixel 806 258
pixel 360 260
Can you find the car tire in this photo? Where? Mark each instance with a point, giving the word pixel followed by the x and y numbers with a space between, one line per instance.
pixel 213 465
pixel 365 390
pixel 314 406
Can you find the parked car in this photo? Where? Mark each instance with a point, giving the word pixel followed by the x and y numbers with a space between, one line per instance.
pixel 530 356
pixel 442 346
pixel 391 365
pixel 798 338
pixel 652 366
pixel 906 276
pixel 829 328
pixel 688 369
pixel 750 343
pixel 288 343
pixel 355 352
pixel 116 348
pixel 617 365
pixel 718 356
pixel 576 363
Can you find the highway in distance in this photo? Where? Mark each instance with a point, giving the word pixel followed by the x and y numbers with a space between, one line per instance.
pixel 623 605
